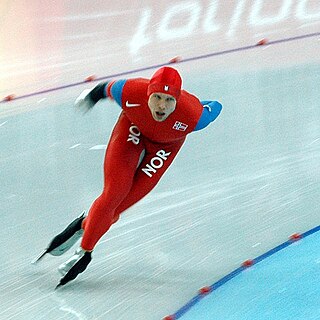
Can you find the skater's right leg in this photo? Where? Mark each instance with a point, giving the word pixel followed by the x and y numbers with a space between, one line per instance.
pixel 65 239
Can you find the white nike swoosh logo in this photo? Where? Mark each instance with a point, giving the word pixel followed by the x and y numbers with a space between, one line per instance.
pixel 130 105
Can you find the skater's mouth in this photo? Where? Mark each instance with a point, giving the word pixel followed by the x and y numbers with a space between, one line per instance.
pixel 160 114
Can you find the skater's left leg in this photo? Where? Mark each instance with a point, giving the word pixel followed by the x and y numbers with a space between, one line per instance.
pixel 121 161
pixel 120 165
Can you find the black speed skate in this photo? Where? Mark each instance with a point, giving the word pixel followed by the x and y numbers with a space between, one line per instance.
pixel 64 240
pixel 74 266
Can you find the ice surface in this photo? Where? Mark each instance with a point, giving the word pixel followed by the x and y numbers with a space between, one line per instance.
pixel 237 188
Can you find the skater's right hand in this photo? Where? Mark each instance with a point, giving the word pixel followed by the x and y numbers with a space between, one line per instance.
pixel 89 97
pixel 84 102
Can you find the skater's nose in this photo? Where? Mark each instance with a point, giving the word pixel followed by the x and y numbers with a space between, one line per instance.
pixel 162 105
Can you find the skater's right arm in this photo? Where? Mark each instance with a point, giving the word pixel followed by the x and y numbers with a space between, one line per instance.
pixel 89 97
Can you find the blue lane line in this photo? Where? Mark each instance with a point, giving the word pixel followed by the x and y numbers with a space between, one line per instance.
pixel 205 56
pixel 199 296
pixel 237 271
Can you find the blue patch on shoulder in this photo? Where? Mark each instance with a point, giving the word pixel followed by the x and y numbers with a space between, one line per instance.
pixel 211 110
pixel 116 91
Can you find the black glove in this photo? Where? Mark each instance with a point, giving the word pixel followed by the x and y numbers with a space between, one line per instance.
pixel 89 97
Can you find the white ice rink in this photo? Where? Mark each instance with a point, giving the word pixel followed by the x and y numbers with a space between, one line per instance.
pixel 237 188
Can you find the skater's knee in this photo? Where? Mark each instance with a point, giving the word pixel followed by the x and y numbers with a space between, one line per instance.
pixel 115 218
pixel 113 193
pixel 110 200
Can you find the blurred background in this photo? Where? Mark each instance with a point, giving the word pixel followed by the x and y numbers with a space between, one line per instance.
pixel 237 189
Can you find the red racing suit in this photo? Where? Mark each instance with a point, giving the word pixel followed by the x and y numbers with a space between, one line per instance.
pixel 140 151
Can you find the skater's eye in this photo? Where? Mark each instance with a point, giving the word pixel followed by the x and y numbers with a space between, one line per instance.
pixel 158 97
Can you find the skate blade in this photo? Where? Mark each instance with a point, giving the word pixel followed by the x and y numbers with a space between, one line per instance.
pixel 39 257
pixel 63 281
pixel 58 286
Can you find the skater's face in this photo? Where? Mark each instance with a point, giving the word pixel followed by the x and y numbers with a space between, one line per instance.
pixel 161 105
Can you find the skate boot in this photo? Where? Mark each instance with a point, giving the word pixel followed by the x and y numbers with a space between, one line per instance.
pixel 74 266
pixel 64 240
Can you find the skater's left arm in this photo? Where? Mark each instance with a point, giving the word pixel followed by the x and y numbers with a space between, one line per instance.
pixel 211 110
